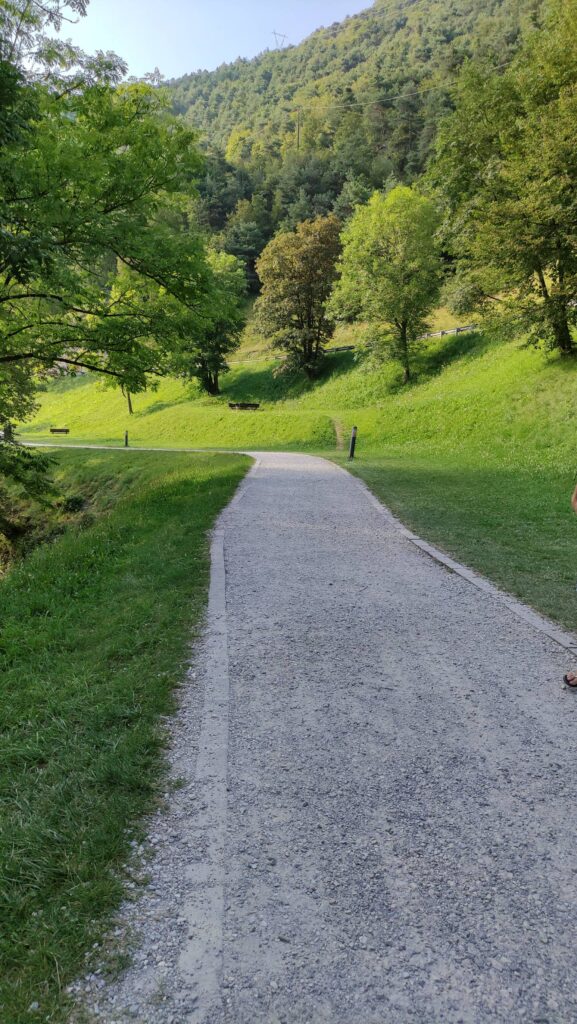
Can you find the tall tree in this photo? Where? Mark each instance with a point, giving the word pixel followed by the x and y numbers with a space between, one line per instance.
pixel 297 270
pixel 204 352
pixel 506 169
pixel 99 189
pixel 100 264
pixel 390 270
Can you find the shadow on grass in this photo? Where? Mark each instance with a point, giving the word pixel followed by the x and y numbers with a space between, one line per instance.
pixel 159 406
pixel 263 384
pixel 60 385
pixel 560 362
pixel 432 359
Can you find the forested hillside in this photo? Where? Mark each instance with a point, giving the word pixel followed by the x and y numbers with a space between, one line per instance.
pixel 312 128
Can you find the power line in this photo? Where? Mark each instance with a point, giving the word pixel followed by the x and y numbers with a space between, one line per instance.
pixel 362 104
pixel 395 6
pixel 384 9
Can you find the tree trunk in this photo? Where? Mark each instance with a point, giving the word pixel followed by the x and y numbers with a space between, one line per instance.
pixel 13 531
pixel 556 310
pixel 211 383
pixel 126 394
pixel 405 353
pixel 561 331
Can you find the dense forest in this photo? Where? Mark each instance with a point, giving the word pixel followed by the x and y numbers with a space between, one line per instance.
pixel 315 128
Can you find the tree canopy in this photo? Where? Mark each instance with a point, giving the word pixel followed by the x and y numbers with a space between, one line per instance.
pixel 390 272
pixel 506 173
pixel 102 263
pixel 297 270
pixel 355 107
pixel 204 355
pixel 94 219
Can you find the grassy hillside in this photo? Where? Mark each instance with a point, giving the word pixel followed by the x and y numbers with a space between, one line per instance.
pixel 497 401
pixel 96 631
pixel 478 454
pixel 175 415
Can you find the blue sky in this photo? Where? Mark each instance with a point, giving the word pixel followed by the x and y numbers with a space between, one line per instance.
pixel 178 36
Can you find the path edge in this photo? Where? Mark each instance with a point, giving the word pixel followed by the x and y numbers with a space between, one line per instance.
pixel 201 960
pixel 563 637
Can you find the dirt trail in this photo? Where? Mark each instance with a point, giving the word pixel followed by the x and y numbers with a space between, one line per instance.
pixel 377 816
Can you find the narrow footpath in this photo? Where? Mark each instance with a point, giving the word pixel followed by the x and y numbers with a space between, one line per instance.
pixel 377 815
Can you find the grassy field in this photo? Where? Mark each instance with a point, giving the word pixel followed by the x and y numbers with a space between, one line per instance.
pixel 96 631
pixel 177 416
pixel 478 454
pixel 513 525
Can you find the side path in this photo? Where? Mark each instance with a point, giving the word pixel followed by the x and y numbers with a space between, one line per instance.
pixel 377 815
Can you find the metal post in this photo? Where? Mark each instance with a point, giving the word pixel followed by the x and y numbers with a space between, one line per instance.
pixel 353 443
pixel 126 439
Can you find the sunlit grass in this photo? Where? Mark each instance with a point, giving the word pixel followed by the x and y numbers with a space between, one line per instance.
pixel 96 633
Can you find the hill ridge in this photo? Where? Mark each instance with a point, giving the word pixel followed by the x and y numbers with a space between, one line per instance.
pixel 374 55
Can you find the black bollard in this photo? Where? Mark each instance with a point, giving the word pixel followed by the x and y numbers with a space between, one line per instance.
pixel 353 443
pixel 126 439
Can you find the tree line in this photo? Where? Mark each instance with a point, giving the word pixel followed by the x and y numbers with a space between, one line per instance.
pixel 314 129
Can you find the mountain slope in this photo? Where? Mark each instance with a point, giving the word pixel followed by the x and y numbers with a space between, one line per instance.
pixel 371 88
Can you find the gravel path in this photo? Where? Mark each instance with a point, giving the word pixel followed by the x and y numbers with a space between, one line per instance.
pixel 377 818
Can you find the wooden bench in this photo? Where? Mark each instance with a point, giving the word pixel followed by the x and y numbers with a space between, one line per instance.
pixel 247 406
pixel 59 430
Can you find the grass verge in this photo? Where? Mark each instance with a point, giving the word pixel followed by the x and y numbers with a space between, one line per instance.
pixel 512 524
pixel 95 635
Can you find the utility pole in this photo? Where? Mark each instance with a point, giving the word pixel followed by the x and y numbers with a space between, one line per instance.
pixel 279 39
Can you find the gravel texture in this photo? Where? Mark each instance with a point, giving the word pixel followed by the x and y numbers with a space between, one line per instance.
pixel 377 817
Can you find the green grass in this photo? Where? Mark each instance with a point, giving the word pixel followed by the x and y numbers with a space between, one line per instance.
pixel 96 629
pixel 478 454
pixel 514 525
pixel 480 457
pixel 176 416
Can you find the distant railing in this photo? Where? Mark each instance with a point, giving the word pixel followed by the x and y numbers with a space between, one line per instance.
pixel 353 348
pixel 453 330
pixel 422 337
